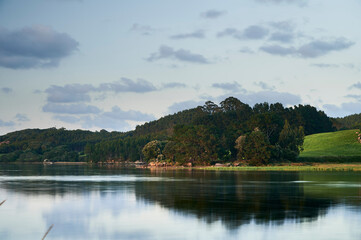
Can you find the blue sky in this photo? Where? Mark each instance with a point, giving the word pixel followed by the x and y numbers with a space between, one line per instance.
pixel 113 64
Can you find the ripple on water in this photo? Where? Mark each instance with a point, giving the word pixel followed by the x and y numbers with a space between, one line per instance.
pixel 117 178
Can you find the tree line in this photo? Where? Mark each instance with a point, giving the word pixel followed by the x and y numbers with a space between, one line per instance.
pixel 232 131
pixel 349 122
pixel 35 145
pixel 228 132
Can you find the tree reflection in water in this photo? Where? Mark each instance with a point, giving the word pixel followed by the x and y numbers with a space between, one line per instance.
pixel 235 198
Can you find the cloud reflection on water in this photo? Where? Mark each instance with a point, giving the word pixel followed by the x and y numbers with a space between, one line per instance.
pixel 188 205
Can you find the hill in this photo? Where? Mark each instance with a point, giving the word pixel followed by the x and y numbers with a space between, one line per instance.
pixel 201 135
pixel 34 145
pixel 164 126
pixel 349 122
pixel 333 146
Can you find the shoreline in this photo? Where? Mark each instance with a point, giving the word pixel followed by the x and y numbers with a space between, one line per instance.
pixel 322 167
pixel 279 167
pixel 47 164
pixel 356 167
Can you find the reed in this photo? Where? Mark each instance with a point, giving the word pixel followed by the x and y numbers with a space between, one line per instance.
pixel 52 225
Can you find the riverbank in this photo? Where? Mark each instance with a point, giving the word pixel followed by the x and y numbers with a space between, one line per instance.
pixel 276 167
pixel 291 167
pixel 48 163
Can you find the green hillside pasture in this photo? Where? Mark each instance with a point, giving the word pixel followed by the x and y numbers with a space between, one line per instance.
pixel 341 146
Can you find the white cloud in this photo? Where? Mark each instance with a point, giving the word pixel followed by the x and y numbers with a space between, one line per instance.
pixel 300 3
pixel 196 34
pixel 246 50
pixel 76 108
pixel 66 118
pixel 312 49
pixel 180 106
pixel 265 86
pixel 213 14
pixel 342 110
pixel 69 93
pixel 166 52
pixel 127 85
pixel 104 122
pixel 253 32
pixel 282 37
pixel 143 29
pixel 117 113
pixel 72 93
pixel 324 65
pixel 92 117
pixel 6 124
pixel 22 117
pixel 284 26
pixel 267 95
pixel 287 99
pixel 356 85
pixel 6 90
pixel 35 46
pixel 231 87
pixel 174 85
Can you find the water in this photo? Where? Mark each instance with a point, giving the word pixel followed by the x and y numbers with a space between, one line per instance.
pixel 99 203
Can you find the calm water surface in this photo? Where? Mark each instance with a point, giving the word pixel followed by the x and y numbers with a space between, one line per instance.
pixel 99 203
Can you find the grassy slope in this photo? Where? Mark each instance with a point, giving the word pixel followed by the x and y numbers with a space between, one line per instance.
pixel 341 143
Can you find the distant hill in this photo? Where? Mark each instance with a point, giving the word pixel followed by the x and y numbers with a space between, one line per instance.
pixel 35 145
pixel 338 146
pixel 349 122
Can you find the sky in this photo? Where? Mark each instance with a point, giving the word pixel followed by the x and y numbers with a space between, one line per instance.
pixel 91 64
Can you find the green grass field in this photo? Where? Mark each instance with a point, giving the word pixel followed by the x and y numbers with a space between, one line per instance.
pixel 333 151
pixel 332 144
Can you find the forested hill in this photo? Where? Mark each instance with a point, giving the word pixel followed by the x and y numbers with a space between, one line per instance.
pixel 208 133
pixel 32 145
pixel 164 126
pixel 349 122
pixel 314 121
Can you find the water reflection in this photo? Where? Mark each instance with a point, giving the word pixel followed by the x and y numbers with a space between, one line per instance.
pixel 99 203
pixel 236 198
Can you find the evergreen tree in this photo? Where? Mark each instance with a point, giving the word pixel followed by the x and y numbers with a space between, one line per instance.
pixel 290 142
pixel 254 148
pixel 152 150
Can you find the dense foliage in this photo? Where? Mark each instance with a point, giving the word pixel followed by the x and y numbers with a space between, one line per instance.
pixel 232 131
pixel 349 122
pixel 253 147
pixel 33 145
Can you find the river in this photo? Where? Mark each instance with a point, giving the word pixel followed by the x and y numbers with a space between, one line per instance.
pixel 83 202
